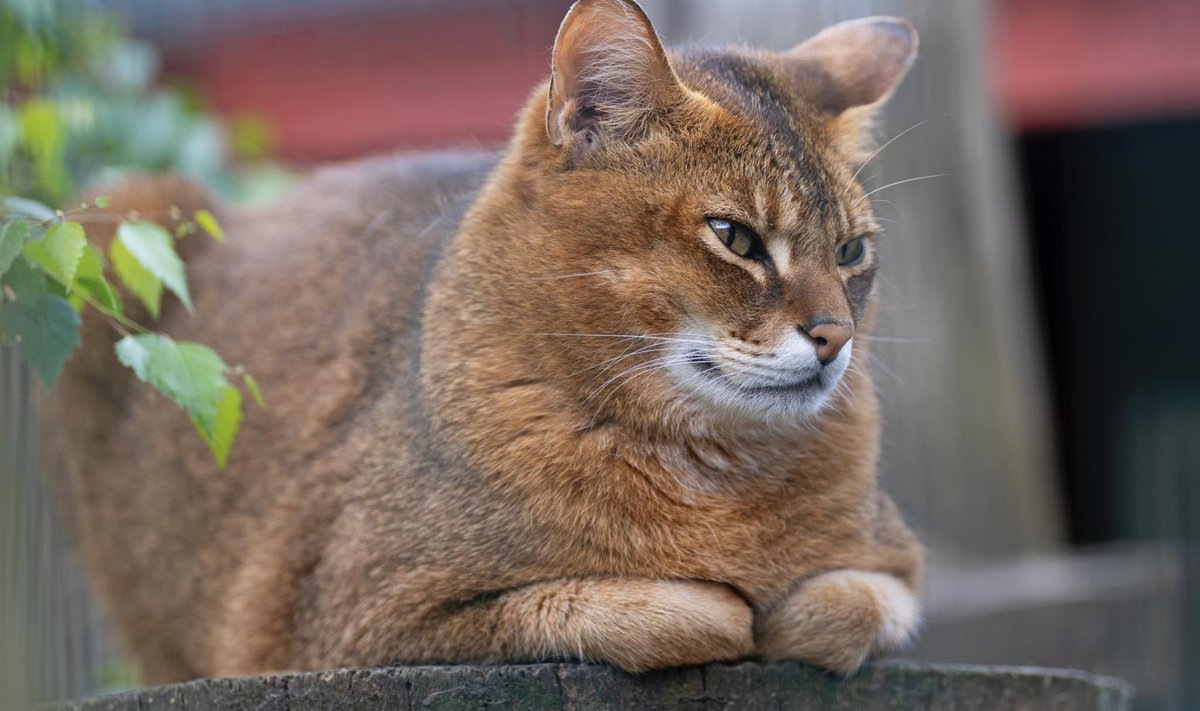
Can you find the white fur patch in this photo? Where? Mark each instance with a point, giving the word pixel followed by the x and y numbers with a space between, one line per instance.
pixel 781 252
pixel 757 384
pixel 898 606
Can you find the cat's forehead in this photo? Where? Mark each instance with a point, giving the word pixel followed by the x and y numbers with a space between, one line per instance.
pixel 793 170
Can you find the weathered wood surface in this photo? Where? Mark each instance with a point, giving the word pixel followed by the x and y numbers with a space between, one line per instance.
pixel 586 687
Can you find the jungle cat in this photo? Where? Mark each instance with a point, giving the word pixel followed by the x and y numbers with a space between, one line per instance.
pixel 604 396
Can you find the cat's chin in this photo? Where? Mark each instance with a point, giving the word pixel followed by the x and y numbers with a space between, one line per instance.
pixel 800 400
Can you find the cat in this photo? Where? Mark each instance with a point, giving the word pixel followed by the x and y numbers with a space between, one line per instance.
pixel 602 397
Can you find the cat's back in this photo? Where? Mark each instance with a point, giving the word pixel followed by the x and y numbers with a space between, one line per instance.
pixel 318 295
pixel 320 292
pixel 347 224
pixel 330 273
pixel 352 246
pixel 314 294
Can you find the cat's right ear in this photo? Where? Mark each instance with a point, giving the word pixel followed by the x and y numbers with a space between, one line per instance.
pixel 849 70
pixel 855 64
pixel 610 75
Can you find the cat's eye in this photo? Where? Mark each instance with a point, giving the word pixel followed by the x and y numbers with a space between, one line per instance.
pixel 851 252
pixel 740 239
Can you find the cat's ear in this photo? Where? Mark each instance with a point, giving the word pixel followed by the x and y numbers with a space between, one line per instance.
pixel 610 74
pixel 854 64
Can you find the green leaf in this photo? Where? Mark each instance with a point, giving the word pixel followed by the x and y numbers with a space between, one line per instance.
pixel 134 353
pixel 30 209
pixel 101 202
pixel 144 285
pixel 194 377
pixel 209 224
pixel 100 291
pixel 89 279
pixel 59 251
pixel 91 264
pixel 153 249
pixel 45 328
pixel 190 374
pixel 252 388
pixel 225 427
pixel 23 278
pixel 12 237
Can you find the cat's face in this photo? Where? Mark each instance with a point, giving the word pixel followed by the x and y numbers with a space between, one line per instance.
pixel 746 265
pixel 726 234
pixel 775 259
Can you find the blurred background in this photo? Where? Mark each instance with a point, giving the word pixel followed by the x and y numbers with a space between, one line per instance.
pixel 1042 398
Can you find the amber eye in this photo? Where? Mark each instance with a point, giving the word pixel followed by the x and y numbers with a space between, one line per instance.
pixel 740 239
pixel 852 252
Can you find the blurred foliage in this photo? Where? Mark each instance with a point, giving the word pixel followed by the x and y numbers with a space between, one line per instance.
pixel 80 107
pixel 116 676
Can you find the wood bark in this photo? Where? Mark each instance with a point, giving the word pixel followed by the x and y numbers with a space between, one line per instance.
pixel 587 687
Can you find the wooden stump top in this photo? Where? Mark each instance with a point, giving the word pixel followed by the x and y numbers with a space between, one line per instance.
pixel 588 687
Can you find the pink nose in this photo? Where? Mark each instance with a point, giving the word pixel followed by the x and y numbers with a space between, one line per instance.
pixel 828 339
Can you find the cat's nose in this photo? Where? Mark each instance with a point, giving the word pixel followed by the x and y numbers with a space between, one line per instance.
pixel 828 339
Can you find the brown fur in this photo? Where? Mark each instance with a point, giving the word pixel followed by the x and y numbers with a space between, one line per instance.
pixel 434 479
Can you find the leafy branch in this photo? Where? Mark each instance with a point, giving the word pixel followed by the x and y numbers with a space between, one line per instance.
pixel 50 271
pixel 81 104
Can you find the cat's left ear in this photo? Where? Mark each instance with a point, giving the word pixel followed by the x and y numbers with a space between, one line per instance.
pixel 610 75
pixel 855 64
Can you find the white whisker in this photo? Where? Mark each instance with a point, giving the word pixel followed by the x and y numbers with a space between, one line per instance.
pixel 653 348
pixel 890 142
pixel 627 376
pixel 630 336
pixel 649 365
pixel 573 276
pixel 883 366
pixel 886 339
pixel 627 353
pixel 908 180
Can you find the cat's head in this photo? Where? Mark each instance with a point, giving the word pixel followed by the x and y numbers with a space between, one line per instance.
pixel 706 203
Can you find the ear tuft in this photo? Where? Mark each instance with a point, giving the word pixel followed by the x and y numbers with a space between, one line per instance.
pixel 610 74
pixel 855 63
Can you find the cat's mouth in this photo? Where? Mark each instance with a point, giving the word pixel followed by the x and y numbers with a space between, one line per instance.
pixel 804 385
pixel 809 385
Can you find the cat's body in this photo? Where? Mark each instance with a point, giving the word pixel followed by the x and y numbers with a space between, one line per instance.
pixel 456 464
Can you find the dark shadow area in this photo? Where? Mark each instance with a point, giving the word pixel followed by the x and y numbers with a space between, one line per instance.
pixel 1116 247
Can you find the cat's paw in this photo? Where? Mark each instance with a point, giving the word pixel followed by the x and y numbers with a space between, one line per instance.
pixel 680 623
pixel 837 620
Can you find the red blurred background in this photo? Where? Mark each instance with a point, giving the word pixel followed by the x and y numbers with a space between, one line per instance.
pixel 336 85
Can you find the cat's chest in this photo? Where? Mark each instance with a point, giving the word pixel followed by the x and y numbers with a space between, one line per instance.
pixel 759 531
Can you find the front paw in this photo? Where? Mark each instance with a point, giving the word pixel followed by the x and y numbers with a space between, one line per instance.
pixel 674 623
pixel 838 619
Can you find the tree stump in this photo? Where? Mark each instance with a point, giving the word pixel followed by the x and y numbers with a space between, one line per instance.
pixel 590 687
